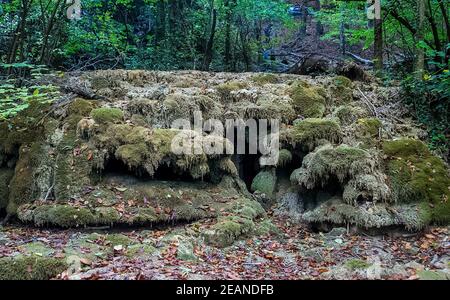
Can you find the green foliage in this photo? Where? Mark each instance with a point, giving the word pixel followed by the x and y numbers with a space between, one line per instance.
pixel 429 99
pixel 149 34
pixel 16 96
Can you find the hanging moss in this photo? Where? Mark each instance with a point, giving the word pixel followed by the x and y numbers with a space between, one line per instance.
pixel 335 211
pixel 265 108
pixel 23 185
pixel 284 158
pixel 310 133
pixel 342 162
pixel 225 90
pixel 24 129
pixel 309 101
pixel 105 115
pixel 418 176
pixel 30 268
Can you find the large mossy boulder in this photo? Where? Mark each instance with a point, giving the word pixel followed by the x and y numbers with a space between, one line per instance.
pixel 409 187
pixel 109 160
pixel 309 101
pixel 417 176
pixel 307 134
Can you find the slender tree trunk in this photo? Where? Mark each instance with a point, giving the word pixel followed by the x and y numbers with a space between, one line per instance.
pixel 444 9
pixel 210 43
pixel 434 29
pixel 48 30
pixel 228 18
pixel 378 46
pixel 420 53
pixel 19 35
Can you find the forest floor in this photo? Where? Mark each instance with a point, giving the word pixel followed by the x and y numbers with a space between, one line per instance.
pixel 296 253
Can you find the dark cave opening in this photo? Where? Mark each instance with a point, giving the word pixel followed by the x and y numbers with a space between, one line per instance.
pixel 115 168
pixel 2 214
pixel 248 167
pixel 319 195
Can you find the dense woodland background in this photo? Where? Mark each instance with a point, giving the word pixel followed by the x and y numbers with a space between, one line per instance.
pixel 410 46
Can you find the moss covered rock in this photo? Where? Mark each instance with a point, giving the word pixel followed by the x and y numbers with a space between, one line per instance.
pixel 355 169
pixel 349 114
pixel 30 268
pixel 335 211
pixel 226 90
pixel 105 115
pixel 341 90
pixel 419 176
pixel 262 79
pixel 265 182
pixel 309 101
pixel 310 133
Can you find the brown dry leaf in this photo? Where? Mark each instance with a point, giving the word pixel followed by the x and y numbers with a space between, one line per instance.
pixel 430 236
pixel 425 246
pixel 90 155
pixel 86 261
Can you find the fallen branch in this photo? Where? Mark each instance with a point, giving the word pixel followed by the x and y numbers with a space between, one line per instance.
pixel 360 59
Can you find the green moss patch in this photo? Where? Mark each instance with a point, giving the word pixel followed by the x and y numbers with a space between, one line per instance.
pixel 369 126
pixel 105 115
pixel 341 90
pixel 80 107
pixel 265 182
pixel 30 268
pixel 309 101
pixel 411 216
pixel 418 176
pixel 263 79
pixel 357 264
pixel 355 169
pixel 310 133
pixel 348 114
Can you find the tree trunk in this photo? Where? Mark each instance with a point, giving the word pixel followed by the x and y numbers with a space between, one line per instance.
pixel 48 30
pixel 20 31
pixel 434 29
pixel 210 43
pixel 378 44
pixel 420 53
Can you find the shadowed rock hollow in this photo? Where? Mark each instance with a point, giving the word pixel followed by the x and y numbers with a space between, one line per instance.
pixel 102 156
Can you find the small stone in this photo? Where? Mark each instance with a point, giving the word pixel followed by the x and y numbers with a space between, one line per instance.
pixel 337 231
